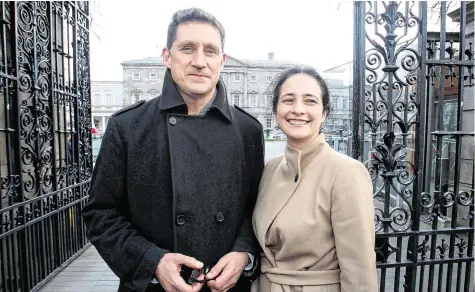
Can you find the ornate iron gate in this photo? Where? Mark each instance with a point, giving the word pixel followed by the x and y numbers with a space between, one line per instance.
pixel 408 111
pixel 45 138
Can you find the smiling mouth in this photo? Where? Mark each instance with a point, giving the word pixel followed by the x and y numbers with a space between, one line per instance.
pixel 297 122
pixel 197 75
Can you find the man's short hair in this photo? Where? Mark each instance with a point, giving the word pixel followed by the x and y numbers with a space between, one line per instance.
pixel 192 15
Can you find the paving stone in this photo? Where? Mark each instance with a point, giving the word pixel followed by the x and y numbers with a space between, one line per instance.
pixel 87 273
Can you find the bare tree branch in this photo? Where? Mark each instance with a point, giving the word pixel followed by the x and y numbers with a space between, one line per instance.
pixel 95 15
pixel 435 9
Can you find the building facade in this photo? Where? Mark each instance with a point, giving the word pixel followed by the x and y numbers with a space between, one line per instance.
pixel 107 98
pixel 338 123
pixel 248 83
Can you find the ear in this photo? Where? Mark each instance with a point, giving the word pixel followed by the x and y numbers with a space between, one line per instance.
pixel 324 116
pixel 166 58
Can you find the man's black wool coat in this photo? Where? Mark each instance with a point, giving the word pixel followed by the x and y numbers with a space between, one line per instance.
pixel 168 182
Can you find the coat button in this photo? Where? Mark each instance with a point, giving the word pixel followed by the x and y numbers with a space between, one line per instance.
pixel 220 217
pixel 172 120
pixel 180 220
pixel 296 178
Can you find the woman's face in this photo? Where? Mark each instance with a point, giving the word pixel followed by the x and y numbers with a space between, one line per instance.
pixel 300 109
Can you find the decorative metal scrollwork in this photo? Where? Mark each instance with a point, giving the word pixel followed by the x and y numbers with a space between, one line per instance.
pixel 10 184
pixel 470 76
pixel 385 249
pixel 444 199
pixel 443 247
pixel 392 63
pixel 45 87
pixel 423 248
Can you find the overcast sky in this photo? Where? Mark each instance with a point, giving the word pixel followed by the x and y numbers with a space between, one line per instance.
pixel 317 33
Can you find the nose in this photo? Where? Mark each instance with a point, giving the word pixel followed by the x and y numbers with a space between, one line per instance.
pixel 199 60
pixel 298 108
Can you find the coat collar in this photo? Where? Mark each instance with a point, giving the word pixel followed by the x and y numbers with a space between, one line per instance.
pixel 172 98
pixel 297 160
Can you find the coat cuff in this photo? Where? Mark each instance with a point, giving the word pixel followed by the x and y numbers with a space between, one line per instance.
pixel 147 268
pixel 251 262
pixel 243 246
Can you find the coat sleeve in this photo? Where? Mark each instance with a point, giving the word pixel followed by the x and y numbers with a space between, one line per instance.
pixel 246 240
pixel 129 254
pixel 352 217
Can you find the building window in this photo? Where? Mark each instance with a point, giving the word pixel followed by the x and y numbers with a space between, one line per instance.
pixel 335 102
pixel 136 96
pixel 108 99
pixel 345 103
pixel 269 101
pixel 253 101
pixel 253 79
pixel 237 78
pixel 236 99
pixel 97 99
pixel 136 76
pixel 153 76
pixel 152 93
pixel 268 123
pixel 268 78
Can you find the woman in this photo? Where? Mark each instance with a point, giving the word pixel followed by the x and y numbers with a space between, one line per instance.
pixel 314 214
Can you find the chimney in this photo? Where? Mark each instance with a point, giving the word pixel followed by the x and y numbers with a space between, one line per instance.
pixel 270 56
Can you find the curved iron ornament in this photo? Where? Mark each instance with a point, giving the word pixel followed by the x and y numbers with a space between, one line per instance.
pixel 397 74
pixel 45 85
pixel 84 100
pixel 391 106
pixel 445 199
pixel 36 125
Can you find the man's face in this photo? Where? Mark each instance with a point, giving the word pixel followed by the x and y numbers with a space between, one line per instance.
pixel 196 58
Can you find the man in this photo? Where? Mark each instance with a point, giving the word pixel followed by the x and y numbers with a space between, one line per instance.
pixel 176 179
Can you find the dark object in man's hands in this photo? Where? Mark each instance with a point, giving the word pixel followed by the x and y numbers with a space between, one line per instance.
pixel 195 274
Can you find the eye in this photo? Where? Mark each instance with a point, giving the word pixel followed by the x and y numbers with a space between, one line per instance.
pixel 287 100
pixel 312 100
pixel 210 52
pixel 187 49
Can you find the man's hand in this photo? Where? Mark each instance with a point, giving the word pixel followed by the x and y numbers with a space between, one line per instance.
pixel 168 272
pixel 224 275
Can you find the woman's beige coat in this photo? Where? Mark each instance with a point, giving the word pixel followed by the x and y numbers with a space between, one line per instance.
pixel 314 219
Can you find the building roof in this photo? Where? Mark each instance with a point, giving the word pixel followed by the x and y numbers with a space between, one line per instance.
pixel 151 61
pixel 230 62
pixel 106 82
pixel 455 15
pixel 273 64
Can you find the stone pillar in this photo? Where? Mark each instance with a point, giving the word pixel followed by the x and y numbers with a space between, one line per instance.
pixel 245 97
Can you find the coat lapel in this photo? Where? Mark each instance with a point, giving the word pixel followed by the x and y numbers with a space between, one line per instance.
pixel 281 186
pixel 279 189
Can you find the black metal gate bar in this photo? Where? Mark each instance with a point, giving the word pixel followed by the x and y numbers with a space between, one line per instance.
pixel 468 265
pixel 421 122
pixel 358 76
pixel 49 252
pixel 399 74
pixel 458 150
pixel 44 62
pixel 438 154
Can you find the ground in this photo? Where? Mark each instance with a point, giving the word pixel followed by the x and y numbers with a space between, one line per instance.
pixel 87 273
